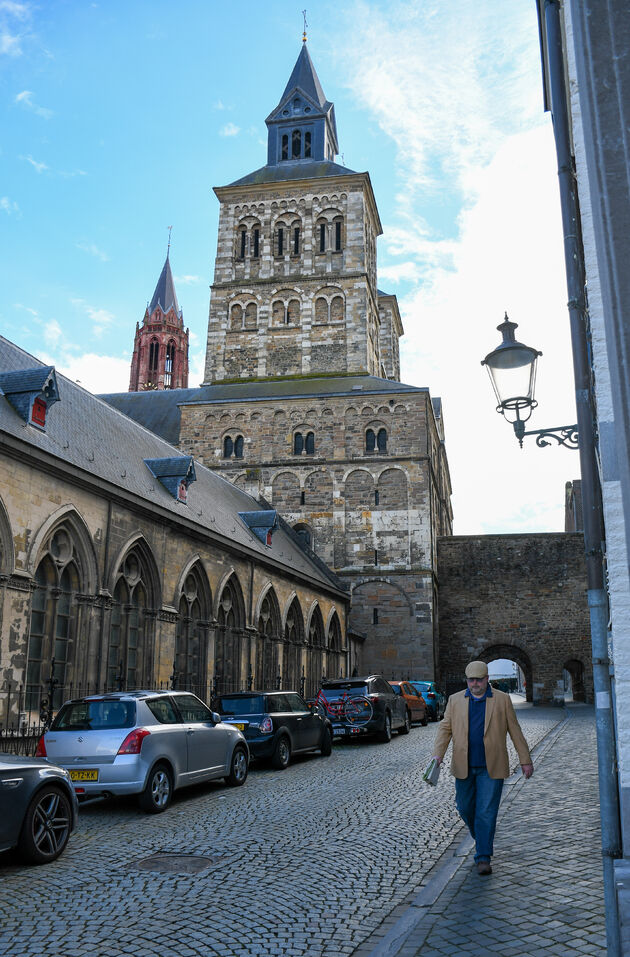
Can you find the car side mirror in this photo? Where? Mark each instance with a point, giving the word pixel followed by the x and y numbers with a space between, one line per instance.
pixel 216 717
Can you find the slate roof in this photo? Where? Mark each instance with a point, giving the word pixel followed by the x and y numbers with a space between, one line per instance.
pixel 159 410
pixel 292 170
pixel 305 77
pixel 165 291
pixel 94 437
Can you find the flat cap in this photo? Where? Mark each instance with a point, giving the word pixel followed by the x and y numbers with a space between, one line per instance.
pixel 477 669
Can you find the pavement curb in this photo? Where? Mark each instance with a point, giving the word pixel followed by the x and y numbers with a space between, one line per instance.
pixel 413 911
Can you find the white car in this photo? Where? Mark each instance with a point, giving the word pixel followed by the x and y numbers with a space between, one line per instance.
pixel 147 743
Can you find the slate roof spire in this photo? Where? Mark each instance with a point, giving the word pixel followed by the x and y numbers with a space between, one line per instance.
pixel 165 290
pixel 302 127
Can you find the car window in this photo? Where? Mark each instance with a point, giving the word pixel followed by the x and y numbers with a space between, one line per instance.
pixel 278 703
pixel 297 703
pixel 192 709
pixel 382 687
pixel 396 689
pixel 237 704
pixel 92 715
pixel 163 710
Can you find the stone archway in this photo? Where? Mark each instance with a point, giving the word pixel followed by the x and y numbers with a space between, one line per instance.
pixel 576 670
pixel 512 653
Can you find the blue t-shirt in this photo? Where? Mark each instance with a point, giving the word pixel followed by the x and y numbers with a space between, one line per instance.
pixel 476 722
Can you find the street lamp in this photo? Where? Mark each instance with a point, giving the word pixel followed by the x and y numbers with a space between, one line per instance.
pixel 512 370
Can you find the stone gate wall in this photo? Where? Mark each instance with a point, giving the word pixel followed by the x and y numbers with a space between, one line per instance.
pixel 521 597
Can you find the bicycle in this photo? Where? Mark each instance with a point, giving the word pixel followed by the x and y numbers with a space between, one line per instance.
pixel 355 709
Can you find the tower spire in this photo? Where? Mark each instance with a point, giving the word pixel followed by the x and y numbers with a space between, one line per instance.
pixel 304 37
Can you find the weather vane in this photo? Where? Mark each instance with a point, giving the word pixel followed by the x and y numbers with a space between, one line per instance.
pixel 305 26
pixel 168 248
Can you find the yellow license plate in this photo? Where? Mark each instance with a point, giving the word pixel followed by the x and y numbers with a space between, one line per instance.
pixel 241 727
pixel 84 774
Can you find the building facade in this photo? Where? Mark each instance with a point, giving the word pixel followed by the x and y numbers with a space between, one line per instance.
pixel 302 404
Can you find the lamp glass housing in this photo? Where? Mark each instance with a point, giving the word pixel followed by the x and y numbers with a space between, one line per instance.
pixel 512 370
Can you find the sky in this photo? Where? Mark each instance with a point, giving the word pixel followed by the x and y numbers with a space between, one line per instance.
pixel 118 117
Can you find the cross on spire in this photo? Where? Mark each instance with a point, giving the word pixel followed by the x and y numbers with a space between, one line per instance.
pixel 305 26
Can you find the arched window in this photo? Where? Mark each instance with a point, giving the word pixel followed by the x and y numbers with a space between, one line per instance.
pixel 52 617
pixel 298 443
pixel 296 144
pixel 309 444
pixel 190 639
pixel 304 534
pixel 241 242
pixel 285 147
pixel 337 309
pixel 381 440
pixel 338 233
pixel 228 641
pixel 236 317
pixel 280 243
pixel 293 312
pixel 321 309
pixel 169 365
pixel 322 237
pixel 295 250
pixel 307 145
pixel 228 447
pixel 251 315
pixel 128 623
pixel 256 242
pixel 269 633
pixel 154 358
pixel 238 447
pixel 370 441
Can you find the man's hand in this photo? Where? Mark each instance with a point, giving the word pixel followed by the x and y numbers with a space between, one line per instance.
pixel 527 769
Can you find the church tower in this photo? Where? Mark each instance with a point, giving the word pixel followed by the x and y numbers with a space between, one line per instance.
pixel 160 348
pixel 294 289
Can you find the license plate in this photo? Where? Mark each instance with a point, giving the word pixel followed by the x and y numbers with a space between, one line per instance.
pixel 240 726
pixel 84 774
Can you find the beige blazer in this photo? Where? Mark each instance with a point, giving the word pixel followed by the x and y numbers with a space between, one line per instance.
pixel 500 721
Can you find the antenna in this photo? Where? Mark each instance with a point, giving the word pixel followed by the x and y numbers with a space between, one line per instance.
pixel 305 26
pixel 168 248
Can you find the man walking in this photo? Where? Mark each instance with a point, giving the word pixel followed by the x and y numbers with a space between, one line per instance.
pixel 477 720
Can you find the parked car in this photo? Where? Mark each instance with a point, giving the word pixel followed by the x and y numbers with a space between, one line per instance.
pixel 435 699
pixel 38 808
pixel 358 706
pixel 147 743
pixel 413 699
pixel 276 724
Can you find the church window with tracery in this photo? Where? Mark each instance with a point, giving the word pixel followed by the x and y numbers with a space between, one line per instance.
pixel 169 365
pixel 307 145
pixel 285 147
pixel 296 144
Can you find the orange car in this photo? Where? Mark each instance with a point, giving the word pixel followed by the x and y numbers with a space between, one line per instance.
pixel 416 705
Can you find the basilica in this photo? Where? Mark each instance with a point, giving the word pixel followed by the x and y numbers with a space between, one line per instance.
pixel 302 405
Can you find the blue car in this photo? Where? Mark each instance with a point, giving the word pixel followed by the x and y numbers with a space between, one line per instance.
pixel 435 699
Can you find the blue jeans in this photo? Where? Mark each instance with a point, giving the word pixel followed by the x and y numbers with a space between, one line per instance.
pixel 477 799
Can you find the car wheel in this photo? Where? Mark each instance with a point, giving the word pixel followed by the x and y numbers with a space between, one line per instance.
pixel 238 768
pixel 386 734
pixel 46 826
pixel 406 728
pixel 282 753
pixel 327 743
pixel 158 790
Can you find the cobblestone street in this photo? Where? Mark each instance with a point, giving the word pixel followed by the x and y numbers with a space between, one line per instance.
pixel 310 861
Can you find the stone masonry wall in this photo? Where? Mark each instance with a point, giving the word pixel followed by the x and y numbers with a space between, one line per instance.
pixel 521 597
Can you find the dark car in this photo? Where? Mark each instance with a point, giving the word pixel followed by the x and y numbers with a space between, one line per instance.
pixel 369 705
pixel 435 699
pixel 38 808
pixel 276 724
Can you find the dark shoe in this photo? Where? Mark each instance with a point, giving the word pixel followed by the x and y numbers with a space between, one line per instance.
pixel 484 867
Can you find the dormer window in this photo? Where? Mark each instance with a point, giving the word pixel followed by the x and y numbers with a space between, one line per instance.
pixel 182 492
pixel 38 413
pixel 175 474
pixel 262 524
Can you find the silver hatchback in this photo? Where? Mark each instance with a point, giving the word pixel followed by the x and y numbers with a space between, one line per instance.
pixel 147 743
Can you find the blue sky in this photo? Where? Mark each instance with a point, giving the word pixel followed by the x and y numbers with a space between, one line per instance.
pixel 118 117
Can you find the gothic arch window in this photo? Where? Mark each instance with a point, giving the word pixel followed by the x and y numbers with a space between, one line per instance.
pixel 128 633
pixel 293 639
pixel 307 145
pixel 154 359
pixel 53 611
pixel 316 629
pixel 269 628
pixel 191 635
pixel 169 365
pixel 231 621
pixel 296 144
pixel 334 657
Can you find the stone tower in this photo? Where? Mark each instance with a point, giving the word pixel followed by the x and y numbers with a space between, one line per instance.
pixel 160 348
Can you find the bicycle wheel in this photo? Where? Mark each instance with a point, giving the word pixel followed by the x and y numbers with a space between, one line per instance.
pixel 358 709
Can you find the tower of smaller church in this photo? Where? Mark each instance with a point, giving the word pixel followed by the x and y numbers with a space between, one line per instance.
pixel 160 348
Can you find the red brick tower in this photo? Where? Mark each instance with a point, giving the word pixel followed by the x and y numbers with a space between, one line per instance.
pixel 160 348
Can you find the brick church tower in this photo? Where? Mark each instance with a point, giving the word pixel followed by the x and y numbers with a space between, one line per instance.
pixel 160 348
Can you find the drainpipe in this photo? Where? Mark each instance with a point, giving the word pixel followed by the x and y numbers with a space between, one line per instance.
pixel 594 533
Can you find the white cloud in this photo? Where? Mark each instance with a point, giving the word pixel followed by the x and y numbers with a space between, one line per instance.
pixel 8 206
pixel 93 250
pixel 101 318
pixel 52 332
pixel 230 129
pixel 25 99
pixel 37 166
pixel 96 373
pixel 12 14
pixel 187 280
